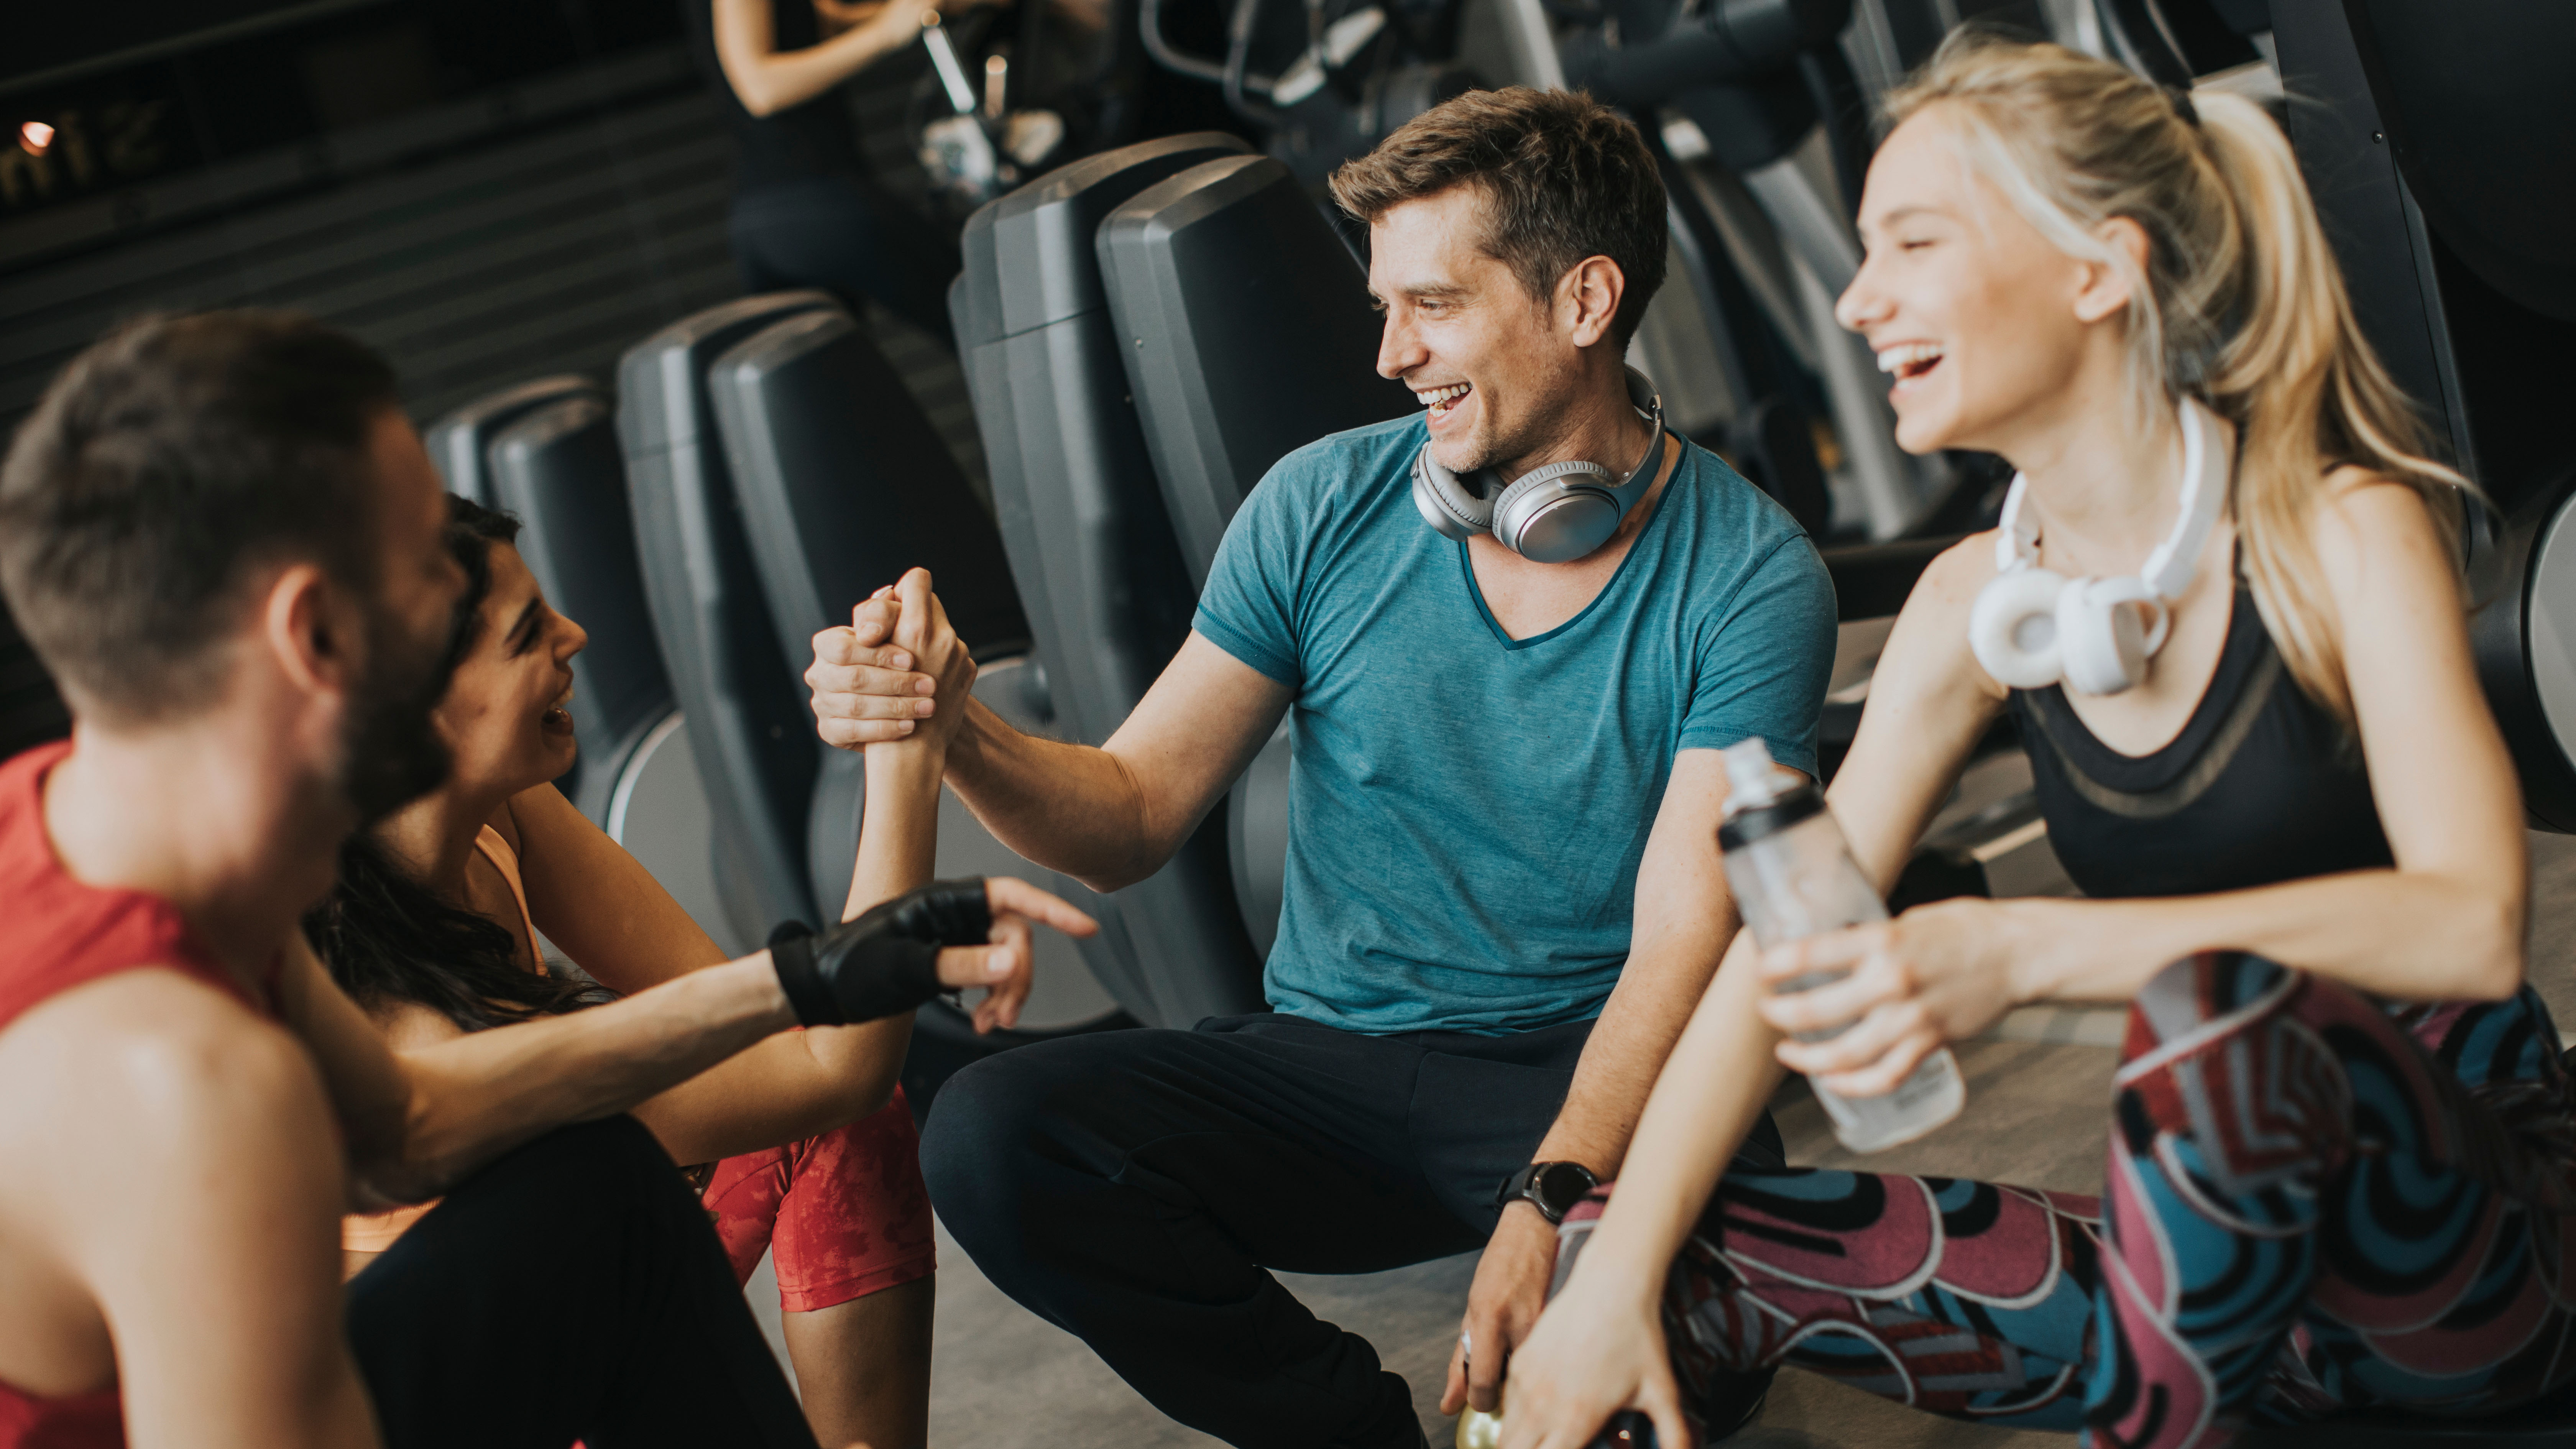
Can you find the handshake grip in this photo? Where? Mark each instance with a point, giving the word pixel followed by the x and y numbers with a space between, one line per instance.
pixel 884 962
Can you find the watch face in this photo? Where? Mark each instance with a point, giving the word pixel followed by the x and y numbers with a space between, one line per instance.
pixel 1559 1186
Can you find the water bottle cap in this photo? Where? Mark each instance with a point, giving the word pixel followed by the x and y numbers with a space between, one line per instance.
pixel 1753 780
pixel 1762 798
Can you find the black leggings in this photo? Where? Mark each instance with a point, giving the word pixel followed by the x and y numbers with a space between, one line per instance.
pixel 571 1290
pixel 848 238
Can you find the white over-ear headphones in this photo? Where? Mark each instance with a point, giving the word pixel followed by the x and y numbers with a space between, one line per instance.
pixel 1550 514
pixel 2032 628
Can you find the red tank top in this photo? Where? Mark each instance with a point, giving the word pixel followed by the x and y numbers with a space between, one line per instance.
pixel 55 934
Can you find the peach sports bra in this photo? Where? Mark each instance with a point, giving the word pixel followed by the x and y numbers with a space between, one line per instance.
pixel 375 1232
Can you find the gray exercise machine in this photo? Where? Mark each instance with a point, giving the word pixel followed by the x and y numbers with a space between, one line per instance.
pixel 750 727
pixel 460 443
pixel 1250 335
pixel 1090 540
pixel 843 485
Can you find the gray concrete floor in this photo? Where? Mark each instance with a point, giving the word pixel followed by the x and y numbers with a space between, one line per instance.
pixel 1006 1379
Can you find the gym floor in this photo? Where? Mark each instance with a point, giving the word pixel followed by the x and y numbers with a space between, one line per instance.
pixel 2036 1115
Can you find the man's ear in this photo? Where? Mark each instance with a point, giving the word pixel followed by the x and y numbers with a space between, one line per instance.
pixel 2102 289
pixel 1587 299
pixel 309 631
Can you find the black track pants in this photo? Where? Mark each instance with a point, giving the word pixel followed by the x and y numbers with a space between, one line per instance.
pixel 1133 1188
pixel 571 1290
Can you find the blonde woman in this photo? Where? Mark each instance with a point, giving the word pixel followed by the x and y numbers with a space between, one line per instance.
pixel 2340 1147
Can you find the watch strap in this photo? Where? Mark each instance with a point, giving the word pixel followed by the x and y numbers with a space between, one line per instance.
pixel 1523 1186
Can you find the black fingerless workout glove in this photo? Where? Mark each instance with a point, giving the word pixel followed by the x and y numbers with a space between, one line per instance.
pixel 884 963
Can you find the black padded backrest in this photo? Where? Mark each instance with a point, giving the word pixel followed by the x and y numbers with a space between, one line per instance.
pixel 2481 114
pixel 749 726
pixel 558 468
pixel 843 485
pixel 1249 335
pixel 460 444
pixel 1090 541
pixel 2434 138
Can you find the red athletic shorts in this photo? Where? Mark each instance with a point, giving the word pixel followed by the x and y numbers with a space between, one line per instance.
pixel 843 1215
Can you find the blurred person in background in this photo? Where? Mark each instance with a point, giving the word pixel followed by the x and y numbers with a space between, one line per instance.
pixel 806 210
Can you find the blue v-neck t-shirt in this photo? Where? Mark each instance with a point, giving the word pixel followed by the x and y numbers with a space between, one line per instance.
pixel 1467 811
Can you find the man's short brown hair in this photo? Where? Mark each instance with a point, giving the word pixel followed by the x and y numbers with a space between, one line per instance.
pixel 1564 177
pixel 167 463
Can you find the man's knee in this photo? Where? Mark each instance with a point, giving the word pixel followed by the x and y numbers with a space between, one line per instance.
pixel 985 1127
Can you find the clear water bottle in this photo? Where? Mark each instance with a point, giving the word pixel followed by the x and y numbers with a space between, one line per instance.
pixel 1793 877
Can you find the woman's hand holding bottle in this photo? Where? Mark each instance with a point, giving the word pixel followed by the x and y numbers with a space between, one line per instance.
pixel 1937 974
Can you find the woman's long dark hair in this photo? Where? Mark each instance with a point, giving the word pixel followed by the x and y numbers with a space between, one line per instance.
pixel 386 936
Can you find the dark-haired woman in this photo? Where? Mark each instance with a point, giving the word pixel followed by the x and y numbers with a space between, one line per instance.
pixel 809 1145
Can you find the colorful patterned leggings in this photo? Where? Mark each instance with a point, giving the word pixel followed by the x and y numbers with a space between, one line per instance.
pixel 2315 1203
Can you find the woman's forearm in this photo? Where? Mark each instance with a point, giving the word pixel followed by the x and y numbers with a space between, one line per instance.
pixel 2399 934
pixel 1713 1088
pixel 795 1085
pixel 898 824
pixel 812 1081
pixel 768 80
pixel 483 1093
pixel 801 1084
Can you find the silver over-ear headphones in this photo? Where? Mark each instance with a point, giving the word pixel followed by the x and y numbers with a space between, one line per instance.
pixel 1550 514
pixel 2032 627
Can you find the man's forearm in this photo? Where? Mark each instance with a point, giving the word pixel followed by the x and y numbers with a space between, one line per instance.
pixel 1073 808
pixel 484 1093
pixel 1657 992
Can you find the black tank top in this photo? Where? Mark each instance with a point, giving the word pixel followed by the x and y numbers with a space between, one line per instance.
pixel 799 143
pixel 2261 786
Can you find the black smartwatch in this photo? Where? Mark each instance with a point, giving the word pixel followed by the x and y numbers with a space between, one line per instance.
pixel 1551 1187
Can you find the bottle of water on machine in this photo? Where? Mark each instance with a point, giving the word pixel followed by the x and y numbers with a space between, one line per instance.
pixel 1793 877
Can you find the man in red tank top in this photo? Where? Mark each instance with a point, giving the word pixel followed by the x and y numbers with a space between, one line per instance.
pixel 222 537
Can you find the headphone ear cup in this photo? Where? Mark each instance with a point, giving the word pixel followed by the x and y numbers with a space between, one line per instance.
pixel 1443 503
pixel 2100 639
pixel 1557 513
pixel 2013 628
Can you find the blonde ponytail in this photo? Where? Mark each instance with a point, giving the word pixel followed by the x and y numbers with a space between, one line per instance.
pixel 2241 303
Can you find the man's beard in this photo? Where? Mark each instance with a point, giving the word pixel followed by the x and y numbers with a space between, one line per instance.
pixel 391 754
pixel 1489 446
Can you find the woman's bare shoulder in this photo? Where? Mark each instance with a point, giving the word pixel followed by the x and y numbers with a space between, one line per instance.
pixel 539 817
pixel 1950 582
pixel 2364 523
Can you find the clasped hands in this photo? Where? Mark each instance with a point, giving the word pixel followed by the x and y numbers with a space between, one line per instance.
pixel 896 676
pixel 894 673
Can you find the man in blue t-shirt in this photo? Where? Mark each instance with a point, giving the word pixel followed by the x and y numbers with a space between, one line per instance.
pixel 1503 892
